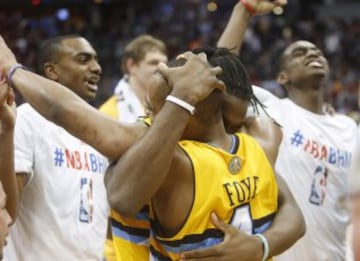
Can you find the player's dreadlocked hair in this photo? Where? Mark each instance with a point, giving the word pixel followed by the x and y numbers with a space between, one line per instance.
pixel 235 75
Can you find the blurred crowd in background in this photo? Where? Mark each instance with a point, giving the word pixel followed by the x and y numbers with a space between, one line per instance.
pixel 185 24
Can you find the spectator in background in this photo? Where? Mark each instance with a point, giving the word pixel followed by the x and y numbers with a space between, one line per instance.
pixel 63 207
pixel 139 62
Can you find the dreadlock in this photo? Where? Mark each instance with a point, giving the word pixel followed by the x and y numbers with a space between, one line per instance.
pixel 234 76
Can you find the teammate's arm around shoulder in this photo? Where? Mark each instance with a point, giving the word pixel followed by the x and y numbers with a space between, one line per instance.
pixel 282 234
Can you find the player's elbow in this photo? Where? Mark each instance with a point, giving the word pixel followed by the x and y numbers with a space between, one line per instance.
pixel 298 222
pixel 302 225
pixel 122 205
pixel 119 198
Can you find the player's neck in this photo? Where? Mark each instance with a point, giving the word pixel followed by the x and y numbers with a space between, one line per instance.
pixel 308 98
pixel 219 138
pixel 226 142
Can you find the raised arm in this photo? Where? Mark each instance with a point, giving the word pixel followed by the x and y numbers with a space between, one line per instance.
pixel 233 34
pixel 63 107
pixel 7 174
pixel 137 176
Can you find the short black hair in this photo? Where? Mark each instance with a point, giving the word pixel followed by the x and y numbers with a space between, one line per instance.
pixel 49 49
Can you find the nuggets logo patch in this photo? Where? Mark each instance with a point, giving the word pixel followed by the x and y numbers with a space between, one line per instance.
pixel 234 165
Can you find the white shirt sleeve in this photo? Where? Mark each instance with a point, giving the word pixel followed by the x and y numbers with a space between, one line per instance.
pixel 24 141
pixel 264 95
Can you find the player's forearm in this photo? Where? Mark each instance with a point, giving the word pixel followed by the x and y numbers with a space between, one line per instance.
pixel 283 234
pixel 234 32
pixel 63 107
pixel 7 173
pixel 141 171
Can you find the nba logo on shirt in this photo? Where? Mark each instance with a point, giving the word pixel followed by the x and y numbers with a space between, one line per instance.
pixel 86 200
pixel 318 187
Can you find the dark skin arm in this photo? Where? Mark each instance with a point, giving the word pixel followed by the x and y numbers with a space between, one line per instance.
pixel 7 173
pixel 282 234
pixel 151 151
pixel 233 35
pixel 63 107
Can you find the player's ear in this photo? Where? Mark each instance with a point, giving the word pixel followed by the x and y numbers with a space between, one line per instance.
pixel 51 72
pixel 282 78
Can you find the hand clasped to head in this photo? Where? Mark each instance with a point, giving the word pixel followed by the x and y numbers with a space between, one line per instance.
pixel 194 80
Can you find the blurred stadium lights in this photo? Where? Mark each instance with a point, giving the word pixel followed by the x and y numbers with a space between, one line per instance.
pixel 278 10
pixel 212 6
pixel 63 14
pixel 36 3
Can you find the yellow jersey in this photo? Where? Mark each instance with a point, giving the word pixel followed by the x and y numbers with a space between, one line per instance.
pixel 239 186
pixel 131 236
pixel 109 107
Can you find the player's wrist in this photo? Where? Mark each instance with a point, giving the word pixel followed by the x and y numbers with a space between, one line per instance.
pixel 7 129
pixel 185 95
pixel 250 6
pixel 181 103
pixel 265 246
pixel 11 70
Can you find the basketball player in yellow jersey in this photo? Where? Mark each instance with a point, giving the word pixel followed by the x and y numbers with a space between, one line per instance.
pixel 228 174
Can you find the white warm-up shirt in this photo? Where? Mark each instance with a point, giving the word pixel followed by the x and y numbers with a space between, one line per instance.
pixel 314 159
pixel 355 170
pixel 63 207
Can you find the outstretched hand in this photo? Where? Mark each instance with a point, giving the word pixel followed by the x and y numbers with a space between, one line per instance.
pixel 266 6
pixel 193 81
pixel 237 245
